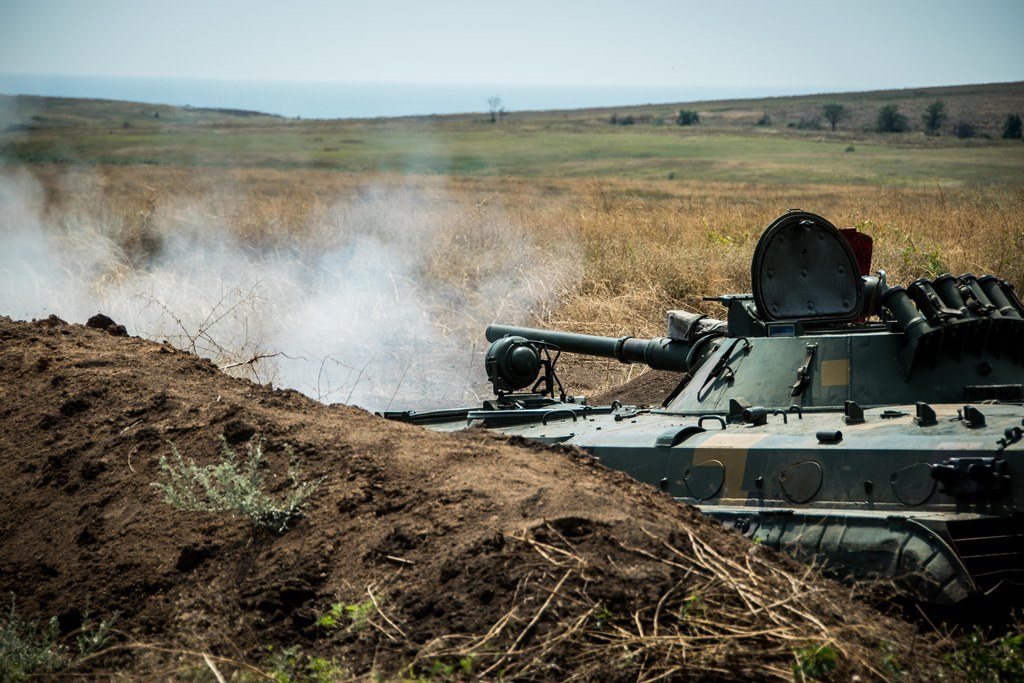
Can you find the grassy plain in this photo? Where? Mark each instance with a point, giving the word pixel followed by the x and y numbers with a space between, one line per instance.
pixel 528 146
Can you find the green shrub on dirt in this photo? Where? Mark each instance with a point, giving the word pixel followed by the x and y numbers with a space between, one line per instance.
pixel 29 649
pixel 991 661
pixel 235 487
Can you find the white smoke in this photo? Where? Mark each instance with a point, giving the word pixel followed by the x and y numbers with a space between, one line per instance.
pixel 378 306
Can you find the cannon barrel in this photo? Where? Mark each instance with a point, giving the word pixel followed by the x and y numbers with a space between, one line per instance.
pixel 660 353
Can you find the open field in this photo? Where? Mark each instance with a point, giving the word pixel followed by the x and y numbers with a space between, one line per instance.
pixel 727 146
pixel 645 155
pixel 601 256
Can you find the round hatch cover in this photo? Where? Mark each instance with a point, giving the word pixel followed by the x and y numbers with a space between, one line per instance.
pixel 704 481
pixel 802 481
pixel 804 269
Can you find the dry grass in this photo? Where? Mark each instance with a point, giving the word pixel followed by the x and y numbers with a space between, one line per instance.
pixel 727 616
pixel 603 257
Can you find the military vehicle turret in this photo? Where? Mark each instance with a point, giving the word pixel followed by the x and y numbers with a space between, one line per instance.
pixel 875 429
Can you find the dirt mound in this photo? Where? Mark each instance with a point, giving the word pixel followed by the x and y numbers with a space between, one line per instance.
pixel 649 389
pixel 465 555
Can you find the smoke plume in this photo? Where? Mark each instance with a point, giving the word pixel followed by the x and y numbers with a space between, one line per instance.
pixel 381 305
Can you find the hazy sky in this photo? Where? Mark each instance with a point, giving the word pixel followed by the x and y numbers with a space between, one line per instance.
pixel 839 45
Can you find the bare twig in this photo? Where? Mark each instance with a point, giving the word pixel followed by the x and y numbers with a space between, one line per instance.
pixel 252 361
pixel 381 613
pixel 209 664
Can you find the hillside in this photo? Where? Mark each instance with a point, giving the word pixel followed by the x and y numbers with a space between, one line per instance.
pixel 983 105
pixel 777 140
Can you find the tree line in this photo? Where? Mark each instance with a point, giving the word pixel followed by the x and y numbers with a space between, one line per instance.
pixel 888 120
pixel 934 118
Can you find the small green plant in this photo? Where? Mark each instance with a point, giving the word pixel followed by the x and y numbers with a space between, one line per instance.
pixel 29 648
pixel 354 617
pixel 1001 659
pixel 292 665
pixel 447 671
pixel 441 670
pixel 331 619
pixel 927 260
pixel 713 236
pixel 890 663
pixel 603 616
pixel 93 635
pixel 466 664
pixel 235 487
pixel 693 607
pixel 814 662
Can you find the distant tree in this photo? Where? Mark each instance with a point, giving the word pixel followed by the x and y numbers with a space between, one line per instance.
pixel 495 107
pixel 890 120
pixel 687 117
pixel 834 113
pixel 964 129
pixel 1012 127
pixel 813 123
pixel 934 116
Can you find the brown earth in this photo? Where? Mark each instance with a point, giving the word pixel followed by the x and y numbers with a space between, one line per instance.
pixel 472 555
pixel 649 389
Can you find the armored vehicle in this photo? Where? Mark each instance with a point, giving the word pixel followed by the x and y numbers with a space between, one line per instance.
pixel 873 428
